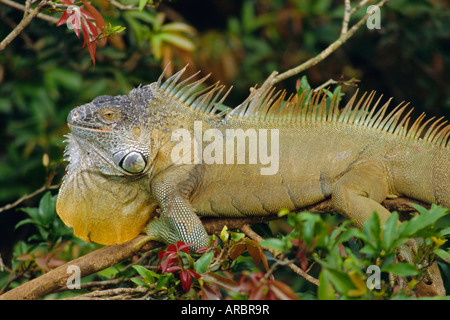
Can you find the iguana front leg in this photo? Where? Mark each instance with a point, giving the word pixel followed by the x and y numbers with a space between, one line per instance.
pixel 178 220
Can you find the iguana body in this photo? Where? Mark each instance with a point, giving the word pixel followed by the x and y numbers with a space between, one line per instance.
pixel 122 163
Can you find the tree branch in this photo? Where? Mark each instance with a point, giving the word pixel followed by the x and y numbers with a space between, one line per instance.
pixel 29 196
pixel 105 257
pixel 344 36
pixel 28 17
pixel 21 7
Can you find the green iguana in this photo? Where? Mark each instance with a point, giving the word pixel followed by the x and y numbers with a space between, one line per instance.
pixel 166 145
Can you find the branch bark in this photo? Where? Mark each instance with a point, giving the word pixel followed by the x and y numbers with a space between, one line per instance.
pixel 105 257
pixel 21 7
pixel 28 17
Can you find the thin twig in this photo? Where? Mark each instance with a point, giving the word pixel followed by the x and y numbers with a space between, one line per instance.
pixel 254 236
pixel 47 186
pixel 359 5
pixel 330 49
pixel 329 82
pixel 2 265
pixel 122 7
pixel 347 14
pixel 29 196
pixel 28 17
pixel 117 293
pixel 21 7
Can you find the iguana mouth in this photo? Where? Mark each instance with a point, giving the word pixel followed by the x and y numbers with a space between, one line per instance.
pixel 78 127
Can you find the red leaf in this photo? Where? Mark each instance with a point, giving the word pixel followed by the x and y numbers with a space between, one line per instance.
pixel 227 283
pixel 236 250
pixel 281 291
pixel 161 255
pixel 186 280
pixel 63 18
pixel 93 30
pixel 168 262
pixel 194 274
pixel 210 292
pixel 55 262
pixel 172 248
pixel 86 14
pixel 25 257
pixel 173 269
pixel 184 246
pixel 202 249
pixel 99 21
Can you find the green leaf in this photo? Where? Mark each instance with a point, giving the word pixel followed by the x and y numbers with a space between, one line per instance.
pixel 236 236
pixel 313 226
pixel 47 209
pixel 389 231
pixel 342 234
pixel 25 221
pixel 326 289
pixel 178 41
pixel 148 275
pixel 156 46
pixel 201 265
pixel 304 86
pixel 424 220
pixel 341 281
pixel 178 27
pixel 33 213
pixel 142 4
pixel 139 282
pixel 445 231
pixel 143 16
pixel 442 254
pixel 277 244
pixel 372 229
pixel 163 280
pixel 402 269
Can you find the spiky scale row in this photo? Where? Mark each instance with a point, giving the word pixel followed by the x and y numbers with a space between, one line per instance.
pixel 267 104
pixel 204 101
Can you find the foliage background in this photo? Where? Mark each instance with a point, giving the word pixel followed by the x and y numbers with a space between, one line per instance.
pixel 44 73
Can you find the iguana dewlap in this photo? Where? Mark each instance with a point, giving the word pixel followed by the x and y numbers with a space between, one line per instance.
pixel 164 145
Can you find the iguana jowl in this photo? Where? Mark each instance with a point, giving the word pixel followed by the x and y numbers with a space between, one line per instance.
pixel 122 168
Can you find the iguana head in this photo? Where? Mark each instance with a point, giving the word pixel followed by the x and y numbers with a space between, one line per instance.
pixel 113 132
pixel 105 194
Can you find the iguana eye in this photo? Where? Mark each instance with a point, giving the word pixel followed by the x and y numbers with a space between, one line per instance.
pixel 108 114
pixel 133 162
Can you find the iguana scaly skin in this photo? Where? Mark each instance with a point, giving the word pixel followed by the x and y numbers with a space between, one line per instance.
pixel 121 151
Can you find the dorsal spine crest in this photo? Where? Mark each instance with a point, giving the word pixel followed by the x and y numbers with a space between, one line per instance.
pixel 266 104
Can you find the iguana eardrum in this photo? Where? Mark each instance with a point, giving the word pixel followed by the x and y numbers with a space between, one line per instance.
pixel 127 158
